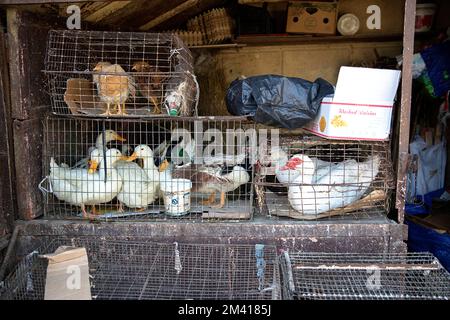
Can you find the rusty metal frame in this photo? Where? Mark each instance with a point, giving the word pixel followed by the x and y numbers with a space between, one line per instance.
pixel 405 108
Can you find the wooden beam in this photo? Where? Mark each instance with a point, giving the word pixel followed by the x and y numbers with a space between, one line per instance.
pixel 405 107
pixel 131 12
pixel 262 1
pixel 105 11
pixel 86 8
pixel 28 138
pixel 27 40
pixel 4 241
pixel 26 2
pixel 169 14
pixel 27 35
pixel 7 200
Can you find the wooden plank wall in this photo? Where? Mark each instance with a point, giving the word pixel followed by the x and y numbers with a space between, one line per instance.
pixel 217 69
pixel 7 202
pixel 29 102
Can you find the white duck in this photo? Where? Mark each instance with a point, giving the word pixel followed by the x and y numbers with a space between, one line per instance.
pixel 145 153
pixel 287 170
pixel 110 135
pixel 80 188
pixel 137 191
pixel 346 183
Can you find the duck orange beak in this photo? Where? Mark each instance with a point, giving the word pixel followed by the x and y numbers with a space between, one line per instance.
pixel 124 158
pixel 163 166
pixel 93 165
pixel 132 157
pixel 119 138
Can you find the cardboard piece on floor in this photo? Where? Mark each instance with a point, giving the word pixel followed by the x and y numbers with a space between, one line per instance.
pixel 67 274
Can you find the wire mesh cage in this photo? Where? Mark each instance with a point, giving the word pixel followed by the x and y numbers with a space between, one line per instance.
pixel 157 168
pixel 141 270
pixel 349 276
pixel 309 178
pixel 120 74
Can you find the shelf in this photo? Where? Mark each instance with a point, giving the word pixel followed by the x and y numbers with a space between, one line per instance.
pixel 279 39
pixel 273 39
pixel 219 46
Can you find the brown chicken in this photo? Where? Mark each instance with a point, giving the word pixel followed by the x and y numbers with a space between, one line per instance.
pixel 112 89
pixel 149 83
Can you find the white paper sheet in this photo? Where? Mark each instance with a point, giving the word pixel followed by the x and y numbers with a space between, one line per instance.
pixel 366 85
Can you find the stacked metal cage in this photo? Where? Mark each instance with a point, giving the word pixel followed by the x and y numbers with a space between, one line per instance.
pixel 142 270
pixel 138 269
pixel 380 276
pixel 108 87
pixel 308 177
pixel 121 74
pixel 213 153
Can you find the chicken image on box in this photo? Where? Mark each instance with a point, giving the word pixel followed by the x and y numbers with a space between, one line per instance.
pixel 361 108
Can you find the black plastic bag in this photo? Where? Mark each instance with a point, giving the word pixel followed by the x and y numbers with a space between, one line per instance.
pixel 276 100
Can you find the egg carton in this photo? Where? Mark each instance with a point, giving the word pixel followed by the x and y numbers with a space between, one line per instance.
pixel 190 38
pixel 216 25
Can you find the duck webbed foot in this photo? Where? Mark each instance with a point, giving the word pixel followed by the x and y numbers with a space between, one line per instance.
pixel 210 200
pixel 221 204
pixel 86 215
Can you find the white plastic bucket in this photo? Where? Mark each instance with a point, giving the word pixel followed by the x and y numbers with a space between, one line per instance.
pixel 177 196
pixel 425 16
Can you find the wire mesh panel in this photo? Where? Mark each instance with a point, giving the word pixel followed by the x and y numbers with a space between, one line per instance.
pixel 119 74
pixel 326 276
pixel 159 168
pixel 310 178
pixel 145 270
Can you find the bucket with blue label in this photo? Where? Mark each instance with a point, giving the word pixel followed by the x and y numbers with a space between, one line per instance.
pixel 177 196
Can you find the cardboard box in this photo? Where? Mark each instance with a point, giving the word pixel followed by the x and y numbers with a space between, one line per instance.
pixel 312 17
pixel 361 108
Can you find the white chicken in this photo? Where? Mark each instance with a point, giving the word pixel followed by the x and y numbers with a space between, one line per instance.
pixel 345 183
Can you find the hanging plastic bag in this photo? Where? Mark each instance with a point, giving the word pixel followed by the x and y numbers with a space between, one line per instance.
pixel 430 174
pixel 277 100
